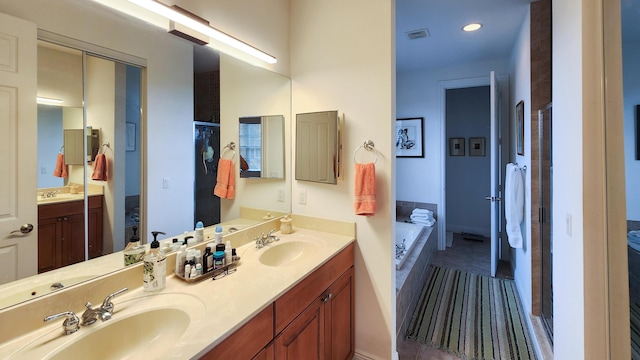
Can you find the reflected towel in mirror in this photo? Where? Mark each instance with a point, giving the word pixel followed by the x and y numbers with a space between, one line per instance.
pixel 61 169
pixel 100 168
pixel 225 185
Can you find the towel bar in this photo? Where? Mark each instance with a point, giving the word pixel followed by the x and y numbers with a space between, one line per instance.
pixel 369 146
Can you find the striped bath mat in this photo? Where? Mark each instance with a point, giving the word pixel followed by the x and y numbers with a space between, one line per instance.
pixel 473 316
pixel 635 331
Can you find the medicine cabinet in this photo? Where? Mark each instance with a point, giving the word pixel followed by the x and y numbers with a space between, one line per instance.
pixel 318 146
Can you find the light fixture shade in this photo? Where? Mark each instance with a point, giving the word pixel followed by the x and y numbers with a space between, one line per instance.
pixel 202 28
pixel 471 27
pixel 48 101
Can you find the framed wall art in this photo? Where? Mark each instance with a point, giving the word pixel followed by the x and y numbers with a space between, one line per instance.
pixel 409 138
pixel 456 147
pixel 477 146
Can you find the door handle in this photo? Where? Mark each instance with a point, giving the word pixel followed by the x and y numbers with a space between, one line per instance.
pixel 24 229
pixel 493 198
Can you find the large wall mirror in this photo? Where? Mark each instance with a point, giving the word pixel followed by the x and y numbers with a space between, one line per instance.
pixel 105 96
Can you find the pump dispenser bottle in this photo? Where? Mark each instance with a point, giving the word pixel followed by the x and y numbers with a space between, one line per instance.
pixel 155 266
pixel 134 252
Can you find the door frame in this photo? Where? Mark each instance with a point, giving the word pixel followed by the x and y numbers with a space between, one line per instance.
pixel 443 86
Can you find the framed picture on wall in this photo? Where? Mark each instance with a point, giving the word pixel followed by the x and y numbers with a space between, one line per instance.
pixel 409 137
pixel 456 147
pixel 520 127
pixel 476 146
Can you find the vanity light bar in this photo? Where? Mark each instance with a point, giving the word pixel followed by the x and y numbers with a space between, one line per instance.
pixel 202 28
pixel 48 101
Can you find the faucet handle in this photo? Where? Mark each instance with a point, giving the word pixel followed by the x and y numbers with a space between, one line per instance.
pixel 71 323
pixel 107 304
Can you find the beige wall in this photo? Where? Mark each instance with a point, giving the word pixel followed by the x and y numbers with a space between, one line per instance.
pixel 334 66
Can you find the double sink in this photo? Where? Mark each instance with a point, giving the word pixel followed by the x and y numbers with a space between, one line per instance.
pixel 155 326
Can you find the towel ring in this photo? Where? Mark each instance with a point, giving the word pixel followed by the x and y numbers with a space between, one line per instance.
pixel 230 146
pixel 369 146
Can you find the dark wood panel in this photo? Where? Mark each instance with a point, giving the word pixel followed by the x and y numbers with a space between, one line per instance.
pixel 48 253
pixel 268 353
pixel 340 319
pixel 247 341
pixel 289 305
pixel 304 337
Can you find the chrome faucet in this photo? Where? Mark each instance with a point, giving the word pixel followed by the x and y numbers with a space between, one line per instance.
pixel 70 324
pixel 263 239
pixel 51 194
pixel 104 312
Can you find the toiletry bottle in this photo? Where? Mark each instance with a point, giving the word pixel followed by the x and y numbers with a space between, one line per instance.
pixel 218 235
pixel 190 240
pixel 218 259
pixel 207 260
pixel 134 252
pixel 199 232
pixel 181 257
pixel 187 271
pixel 198 269
pixel 285 225
pixel 155 266
pixel 175 245
pixel 227 254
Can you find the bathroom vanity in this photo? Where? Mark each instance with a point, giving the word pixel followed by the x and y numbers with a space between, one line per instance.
pixel 292 298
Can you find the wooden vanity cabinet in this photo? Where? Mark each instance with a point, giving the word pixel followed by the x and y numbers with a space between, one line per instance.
pixel 313 320
pixel 61 233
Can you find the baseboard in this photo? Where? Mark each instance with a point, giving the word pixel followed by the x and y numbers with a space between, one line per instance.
pixel 363 355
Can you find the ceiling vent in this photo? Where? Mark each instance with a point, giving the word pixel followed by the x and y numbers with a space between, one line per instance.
pixel 417 34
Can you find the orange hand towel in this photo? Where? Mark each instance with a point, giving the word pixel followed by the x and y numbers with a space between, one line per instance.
pixel 61 169
pixel 225 185
pixel 365 189
pixel 100 168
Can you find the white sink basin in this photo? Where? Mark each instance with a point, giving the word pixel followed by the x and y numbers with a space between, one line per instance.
pixel 286 253
pixel 142 327
pixel 142 336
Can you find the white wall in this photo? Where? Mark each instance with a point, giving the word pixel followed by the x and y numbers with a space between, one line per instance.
pixel 631 88
pixel 335 67
pixel 567 88
pixel 520 69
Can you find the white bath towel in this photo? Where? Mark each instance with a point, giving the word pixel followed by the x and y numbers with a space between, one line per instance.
pixel 418 211
pixel 514 204
pixel 425 222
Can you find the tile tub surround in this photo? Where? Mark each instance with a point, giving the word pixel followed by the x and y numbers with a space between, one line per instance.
pixel 411 277
pixel 27 317
pixel 404 209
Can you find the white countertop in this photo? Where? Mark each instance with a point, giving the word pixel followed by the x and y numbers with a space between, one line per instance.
pixel 225 304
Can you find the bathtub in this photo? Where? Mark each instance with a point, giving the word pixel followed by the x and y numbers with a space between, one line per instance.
pixel 406 236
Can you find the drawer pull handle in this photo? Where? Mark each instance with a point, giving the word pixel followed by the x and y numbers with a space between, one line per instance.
pixel 327 298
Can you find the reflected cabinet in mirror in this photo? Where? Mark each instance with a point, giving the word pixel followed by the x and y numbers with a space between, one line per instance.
pixel 262 147
pixel 318 146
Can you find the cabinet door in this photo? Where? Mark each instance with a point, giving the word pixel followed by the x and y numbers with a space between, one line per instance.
pixel 94 232
pixel 268 353
pixel 339 318
pixel 73 239
pixel 303 338
pixel 49 251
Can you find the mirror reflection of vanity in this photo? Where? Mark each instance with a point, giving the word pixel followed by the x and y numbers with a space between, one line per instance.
pixel 156 134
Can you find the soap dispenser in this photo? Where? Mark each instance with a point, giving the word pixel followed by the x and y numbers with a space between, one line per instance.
pixel 134 252
pixel 155 266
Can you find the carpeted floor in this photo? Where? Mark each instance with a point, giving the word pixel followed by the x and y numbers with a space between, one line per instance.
pixel 473 316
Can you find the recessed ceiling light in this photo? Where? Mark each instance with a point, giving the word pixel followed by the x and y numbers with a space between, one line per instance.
pixel 472 27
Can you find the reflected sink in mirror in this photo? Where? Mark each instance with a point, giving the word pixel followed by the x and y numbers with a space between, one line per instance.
pixel 286 253
pixel 142 327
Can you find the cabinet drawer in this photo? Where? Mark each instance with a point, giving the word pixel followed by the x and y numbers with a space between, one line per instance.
pixel 289 305
pixel 60 209
pixel 247 341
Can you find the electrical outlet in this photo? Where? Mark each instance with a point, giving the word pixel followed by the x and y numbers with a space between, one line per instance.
pixel 280 194
pixel 166 182
pixel 302 197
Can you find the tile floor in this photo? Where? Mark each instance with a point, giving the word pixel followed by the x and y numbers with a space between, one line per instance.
pixel 469 255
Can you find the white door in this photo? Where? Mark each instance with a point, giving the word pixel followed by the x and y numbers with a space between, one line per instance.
pixel 18 121
pixel 495 196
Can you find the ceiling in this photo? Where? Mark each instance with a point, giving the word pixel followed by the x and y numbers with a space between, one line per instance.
pixel 447 43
